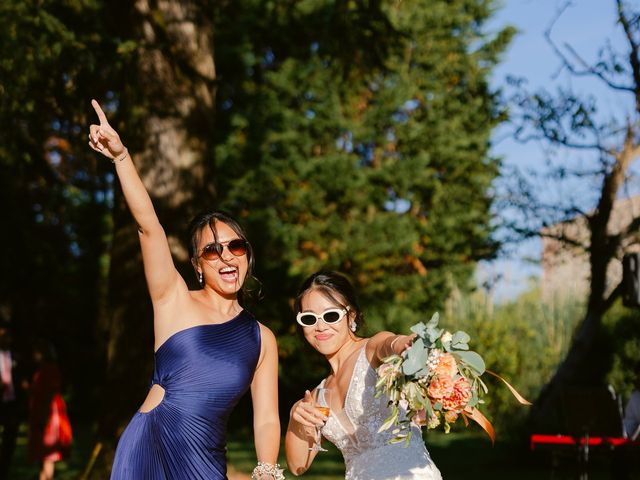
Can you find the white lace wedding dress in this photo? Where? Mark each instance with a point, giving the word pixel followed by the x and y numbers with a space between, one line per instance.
pixel 367 453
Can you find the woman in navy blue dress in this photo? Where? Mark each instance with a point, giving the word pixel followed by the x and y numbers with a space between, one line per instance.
pixel 208 350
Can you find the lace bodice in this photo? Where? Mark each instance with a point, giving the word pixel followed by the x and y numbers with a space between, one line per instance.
pixel 367 453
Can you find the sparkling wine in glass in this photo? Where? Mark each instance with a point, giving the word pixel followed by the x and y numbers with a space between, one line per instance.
pixel 322 398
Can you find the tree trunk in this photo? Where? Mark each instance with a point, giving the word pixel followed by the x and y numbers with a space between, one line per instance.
pixel 169 107
pixel 588 360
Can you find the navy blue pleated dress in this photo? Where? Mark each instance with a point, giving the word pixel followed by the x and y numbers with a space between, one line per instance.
pixel 204 370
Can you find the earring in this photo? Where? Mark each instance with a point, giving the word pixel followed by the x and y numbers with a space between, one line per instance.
pixel 353 326
pixel 201 279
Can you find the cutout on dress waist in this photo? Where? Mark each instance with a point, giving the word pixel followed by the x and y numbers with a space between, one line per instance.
pixel 154 398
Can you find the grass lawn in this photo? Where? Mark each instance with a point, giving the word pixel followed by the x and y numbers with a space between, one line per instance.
pixel 460 455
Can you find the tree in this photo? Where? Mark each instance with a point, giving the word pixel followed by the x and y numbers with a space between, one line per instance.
pixel 359 143
pixel 54 197
pixel 352 135
pixel 566 122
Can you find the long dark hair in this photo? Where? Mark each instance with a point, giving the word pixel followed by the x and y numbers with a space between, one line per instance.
pixel 336 287
pixel 209 219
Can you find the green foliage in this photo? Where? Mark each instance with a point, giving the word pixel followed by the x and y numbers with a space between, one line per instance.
pixel 55 201
pixel 523 341
pixel 622 326
pixel 350 135
pixel 360 143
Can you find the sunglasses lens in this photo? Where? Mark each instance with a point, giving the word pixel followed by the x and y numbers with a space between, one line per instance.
pixel 237 247
pixel 331 317
pixel 308 320
pixel 210 252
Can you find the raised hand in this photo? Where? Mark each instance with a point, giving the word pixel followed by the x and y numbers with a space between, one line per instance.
pixel 103 138
pixel 402 342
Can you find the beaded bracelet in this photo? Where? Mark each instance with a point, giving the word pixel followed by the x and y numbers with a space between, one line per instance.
pixel 264 468
pixel 121 157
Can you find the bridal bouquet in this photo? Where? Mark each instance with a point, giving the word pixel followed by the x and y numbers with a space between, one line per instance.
pixel 436 381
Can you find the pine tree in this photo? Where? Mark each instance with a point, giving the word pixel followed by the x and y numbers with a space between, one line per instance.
pixel 361 144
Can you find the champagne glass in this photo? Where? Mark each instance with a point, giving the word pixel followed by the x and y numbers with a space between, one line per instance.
pixel 322 399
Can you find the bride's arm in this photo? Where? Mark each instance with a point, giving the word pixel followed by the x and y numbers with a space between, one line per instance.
pixel 384 344
pixel 301 434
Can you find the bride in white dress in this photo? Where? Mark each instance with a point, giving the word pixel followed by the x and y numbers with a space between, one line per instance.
pixel 329 315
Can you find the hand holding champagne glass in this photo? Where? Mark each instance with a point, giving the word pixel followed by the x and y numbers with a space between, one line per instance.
pixel 322 400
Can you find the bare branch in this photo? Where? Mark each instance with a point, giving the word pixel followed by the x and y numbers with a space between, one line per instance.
pixel 564 142
pixel 586 70
pixel 564 239
pixel 634 60
pixel 590 70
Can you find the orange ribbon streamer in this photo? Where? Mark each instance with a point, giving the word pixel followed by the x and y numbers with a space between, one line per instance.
pixel 475 415
pixel 515 393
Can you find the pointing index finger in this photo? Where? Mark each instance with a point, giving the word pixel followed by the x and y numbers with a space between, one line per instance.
pixel 101 116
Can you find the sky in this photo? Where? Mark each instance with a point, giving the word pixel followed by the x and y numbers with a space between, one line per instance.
pixel 586 25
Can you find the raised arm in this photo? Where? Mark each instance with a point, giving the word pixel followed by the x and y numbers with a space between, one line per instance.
pixel 264 397
pixel 161 274
pixel 384 344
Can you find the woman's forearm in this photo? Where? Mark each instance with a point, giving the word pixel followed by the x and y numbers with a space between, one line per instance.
pixel 267 440
pixel 297 442
pixel 136 195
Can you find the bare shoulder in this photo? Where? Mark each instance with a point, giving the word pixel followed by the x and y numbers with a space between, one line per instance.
pixel 268 337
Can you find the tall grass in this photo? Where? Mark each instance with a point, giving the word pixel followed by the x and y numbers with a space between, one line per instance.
pixel 523 341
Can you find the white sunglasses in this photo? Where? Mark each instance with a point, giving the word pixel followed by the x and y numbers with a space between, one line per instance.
pixel 330 316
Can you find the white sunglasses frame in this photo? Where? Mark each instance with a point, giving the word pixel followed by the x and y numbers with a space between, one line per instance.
pixel 342 311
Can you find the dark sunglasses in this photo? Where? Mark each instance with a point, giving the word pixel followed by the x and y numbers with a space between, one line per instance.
pixel 330 316
pixel 213 251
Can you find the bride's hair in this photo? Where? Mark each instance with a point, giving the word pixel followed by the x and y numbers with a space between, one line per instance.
pixel 337 288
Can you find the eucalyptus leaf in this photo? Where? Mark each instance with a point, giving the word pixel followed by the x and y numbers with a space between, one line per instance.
pixel 416 358
pixel 434 334
pixel 435 318
pixel 472 360
pixel 419 329
pixel 428 409
pixel 460 337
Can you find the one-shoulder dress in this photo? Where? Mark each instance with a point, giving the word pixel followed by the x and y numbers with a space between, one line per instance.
pixel 204 370
pixel 368 455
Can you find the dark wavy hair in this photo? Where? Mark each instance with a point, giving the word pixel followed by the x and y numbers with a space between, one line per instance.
pixel 209 219
pixel 336 287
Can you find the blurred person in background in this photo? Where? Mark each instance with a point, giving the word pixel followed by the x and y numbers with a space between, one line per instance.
pixel 631 419
pixel 12 402
pixel 49 427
